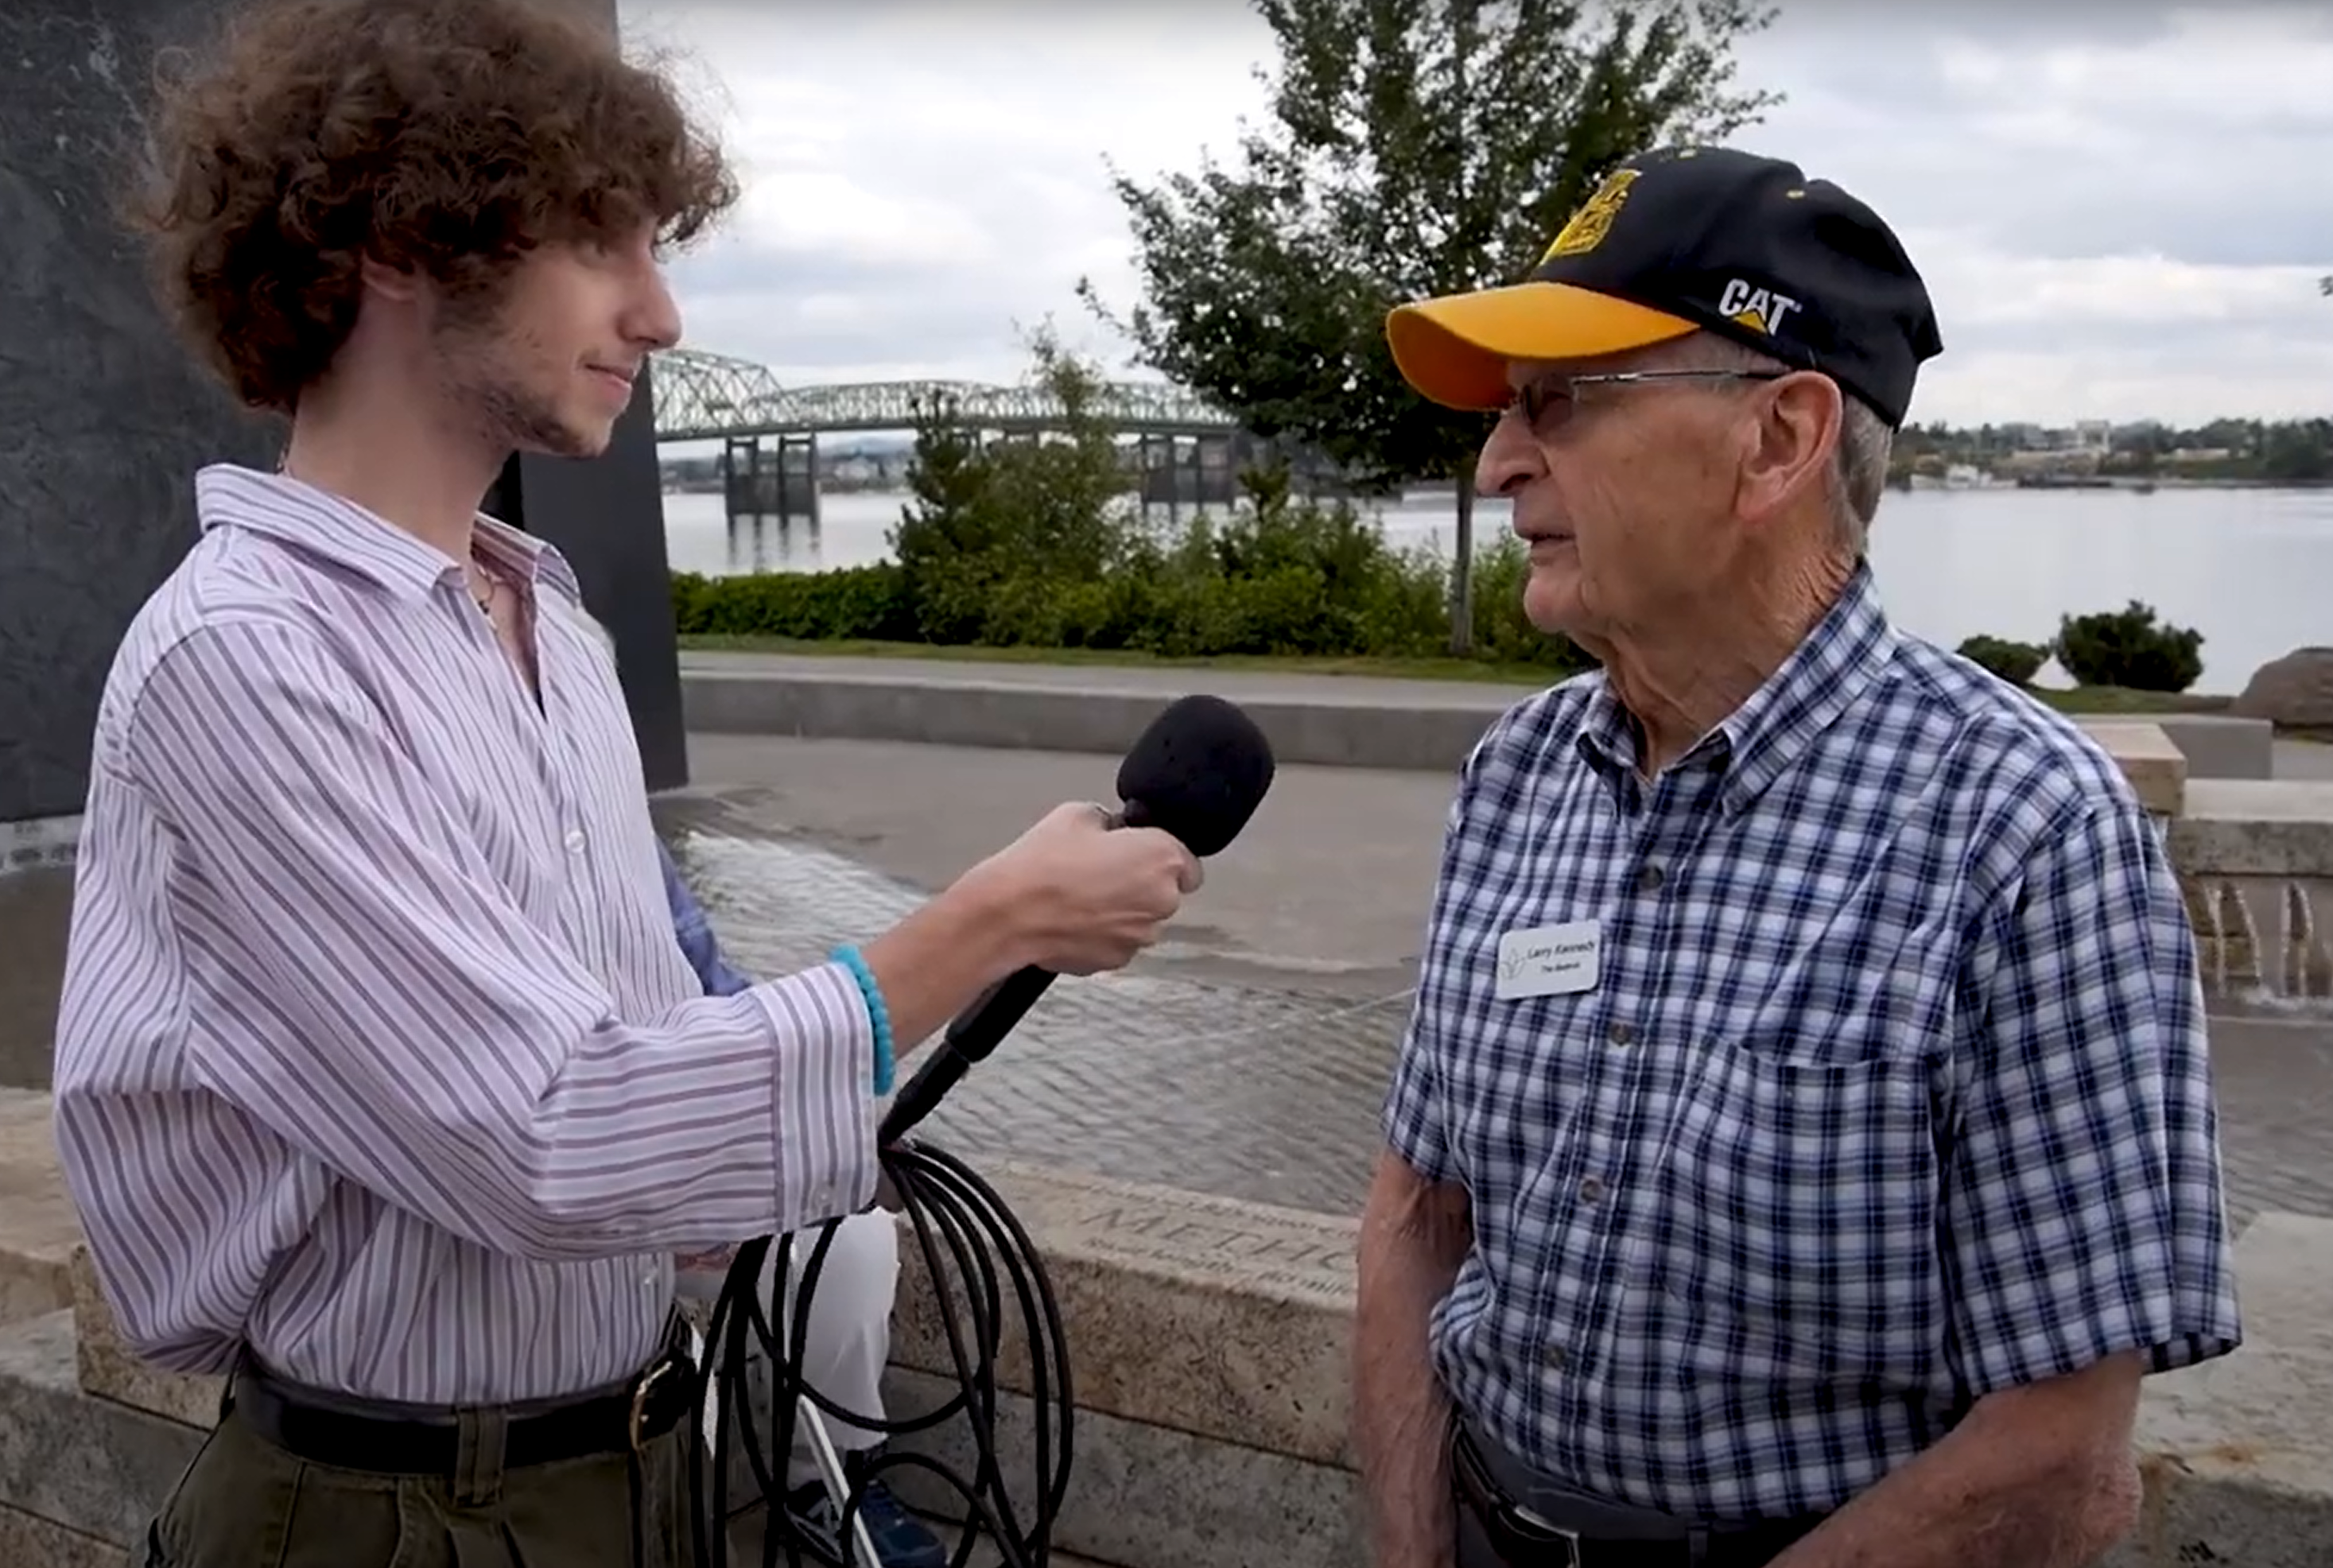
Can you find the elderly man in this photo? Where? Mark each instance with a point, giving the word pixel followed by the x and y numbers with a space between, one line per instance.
pixel 1804 1142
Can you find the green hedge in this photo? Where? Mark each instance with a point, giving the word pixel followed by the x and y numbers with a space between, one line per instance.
pixel 1202 597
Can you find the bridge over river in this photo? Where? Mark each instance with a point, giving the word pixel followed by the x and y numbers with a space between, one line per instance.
pixel 1184 450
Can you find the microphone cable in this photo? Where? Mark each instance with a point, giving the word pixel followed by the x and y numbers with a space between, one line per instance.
pixel 988 1280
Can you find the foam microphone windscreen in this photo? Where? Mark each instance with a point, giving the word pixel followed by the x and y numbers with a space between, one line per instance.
pixel 1198 772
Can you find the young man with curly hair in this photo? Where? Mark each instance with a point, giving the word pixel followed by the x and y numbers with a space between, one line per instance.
pixel 383 1085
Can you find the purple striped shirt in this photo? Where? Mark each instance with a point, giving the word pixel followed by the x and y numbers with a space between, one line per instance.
pixel 376 1049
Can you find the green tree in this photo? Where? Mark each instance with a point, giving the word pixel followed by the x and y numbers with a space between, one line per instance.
pixel 996 519
pixel 946 535
pixel 1413 147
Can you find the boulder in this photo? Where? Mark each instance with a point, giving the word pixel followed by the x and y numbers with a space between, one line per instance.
pixel 2293 692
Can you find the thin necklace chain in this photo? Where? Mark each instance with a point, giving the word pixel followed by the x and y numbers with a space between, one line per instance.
pixel 474 570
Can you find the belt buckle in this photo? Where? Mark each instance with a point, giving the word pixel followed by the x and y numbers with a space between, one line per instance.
pixel 647 1385
pixel 1553 1533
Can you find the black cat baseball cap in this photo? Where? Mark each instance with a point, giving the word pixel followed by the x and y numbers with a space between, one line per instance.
pixel 1688 239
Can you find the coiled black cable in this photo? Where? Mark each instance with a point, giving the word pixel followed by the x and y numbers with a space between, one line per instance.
pixel 980 1261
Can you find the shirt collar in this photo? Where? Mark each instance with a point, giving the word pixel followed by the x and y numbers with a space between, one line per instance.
pixel 318 524
pixel 1754 744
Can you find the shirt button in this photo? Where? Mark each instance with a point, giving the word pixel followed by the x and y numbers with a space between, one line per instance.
pixel 1556 1357
pixel 574 841
pixel 1591 1189
pixel 1621 1035
pixel 1648 878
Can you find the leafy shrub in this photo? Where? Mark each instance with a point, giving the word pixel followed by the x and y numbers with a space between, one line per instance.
pixel 2128 648
pixel 857 602
pixel 2015 662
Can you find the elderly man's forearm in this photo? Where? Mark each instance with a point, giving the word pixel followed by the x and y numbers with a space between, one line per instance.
pixel 1413 1239
pixel 2040 1477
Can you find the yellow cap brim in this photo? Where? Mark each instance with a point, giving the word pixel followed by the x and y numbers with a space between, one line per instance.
pixel 1455 350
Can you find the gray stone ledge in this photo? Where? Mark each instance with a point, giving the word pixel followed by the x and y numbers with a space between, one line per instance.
pixel 1145 1495
pixel 87 1464
pixel 29 1541
pixel 2238 1454
pixel 1021 715
pixel 108 1369
pixel 1207 1341
pixel 2255 828
pixel 1211 1316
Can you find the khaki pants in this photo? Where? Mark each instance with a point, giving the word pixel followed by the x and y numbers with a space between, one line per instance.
pixel 245 1503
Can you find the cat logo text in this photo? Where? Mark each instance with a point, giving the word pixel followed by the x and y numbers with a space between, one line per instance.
pixel 1762 309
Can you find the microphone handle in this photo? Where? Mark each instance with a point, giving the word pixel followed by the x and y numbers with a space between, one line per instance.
pixel 975 1032
pixel 980 1028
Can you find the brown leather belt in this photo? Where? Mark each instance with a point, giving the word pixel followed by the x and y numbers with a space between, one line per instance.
pixel 1525 1539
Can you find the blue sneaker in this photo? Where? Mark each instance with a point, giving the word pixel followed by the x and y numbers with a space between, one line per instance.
pixel 901 1539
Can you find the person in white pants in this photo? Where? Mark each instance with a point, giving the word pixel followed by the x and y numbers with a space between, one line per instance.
pixel 848 1339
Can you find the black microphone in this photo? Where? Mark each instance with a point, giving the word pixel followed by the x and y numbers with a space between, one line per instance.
pixel 1197 773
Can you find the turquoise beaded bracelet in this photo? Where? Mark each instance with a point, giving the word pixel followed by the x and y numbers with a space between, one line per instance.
pixel 849 958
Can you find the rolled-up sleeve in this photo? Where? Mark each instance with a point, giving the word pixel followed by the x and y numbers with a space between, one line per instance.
pixel 2083 1210
pixel 371 995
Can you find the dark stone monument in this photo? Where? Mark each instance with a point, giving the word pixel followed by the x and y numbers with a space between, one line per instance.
pixel 106 416
pixel 104 419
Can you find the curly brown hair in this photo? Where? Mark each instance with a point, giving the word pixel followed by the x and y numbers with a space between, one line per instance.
pixel 440 137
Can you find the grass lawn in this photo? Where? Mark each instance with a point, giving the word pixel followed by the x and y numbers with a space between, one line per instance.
pixel 2079 699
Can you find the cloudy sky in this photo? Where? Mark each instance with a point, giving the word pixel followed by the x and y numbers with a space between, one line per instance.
pixel 2121 209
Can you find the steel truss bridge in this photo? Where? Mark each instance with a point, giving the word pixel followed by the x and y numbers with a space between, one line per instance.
pixel 702 396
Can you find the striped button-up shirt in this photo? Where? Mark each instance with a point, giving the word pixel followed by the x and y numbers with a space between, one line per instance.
pixel 1884 1088
pixel 376 1051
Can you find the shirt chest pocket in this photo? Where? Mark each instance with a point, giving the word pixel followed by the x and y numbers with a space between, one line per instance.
pixel 1797 1197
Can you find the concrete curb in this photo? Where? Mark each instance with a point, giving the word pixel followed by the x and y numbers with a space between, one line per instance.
pixel 1072 718
pixel 1307 720
pixel 1312 727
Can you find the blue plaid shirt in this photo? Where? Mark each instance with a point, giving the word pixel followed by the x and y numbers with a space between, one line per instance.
pixel 695 934
pixel 1892 1090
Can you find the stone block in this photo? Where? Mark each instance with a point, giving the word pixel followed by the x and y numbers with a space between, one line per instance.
pixel 2222 745
pixel 2238 1454
pixel 106 1368
pixel 1145 1495
pixel 29 1541
pixel 2279 828
pixel 2155 765
pixel 89 1464
pixel 1225 1320
pixel 38 1229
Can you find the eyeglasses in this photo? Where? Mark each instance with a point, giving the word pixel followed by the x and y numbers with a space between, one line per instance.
pixel 1546 401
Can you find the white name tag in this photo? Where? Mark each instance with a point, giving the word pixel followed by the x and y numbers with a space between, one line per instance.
pixel 1550 960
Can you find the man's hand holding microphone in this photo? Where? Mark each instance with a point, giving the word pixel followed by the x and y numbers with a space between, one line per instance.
pixel 1084 890
pixel 1073 895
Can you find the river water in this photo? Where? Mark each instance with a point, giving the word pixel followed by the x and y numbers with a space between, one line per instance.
pixel 2253 570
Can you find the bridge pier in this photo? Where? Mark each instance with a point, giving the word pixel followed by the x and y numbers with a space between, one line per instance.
pixel 1201 470
pixel 780 481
